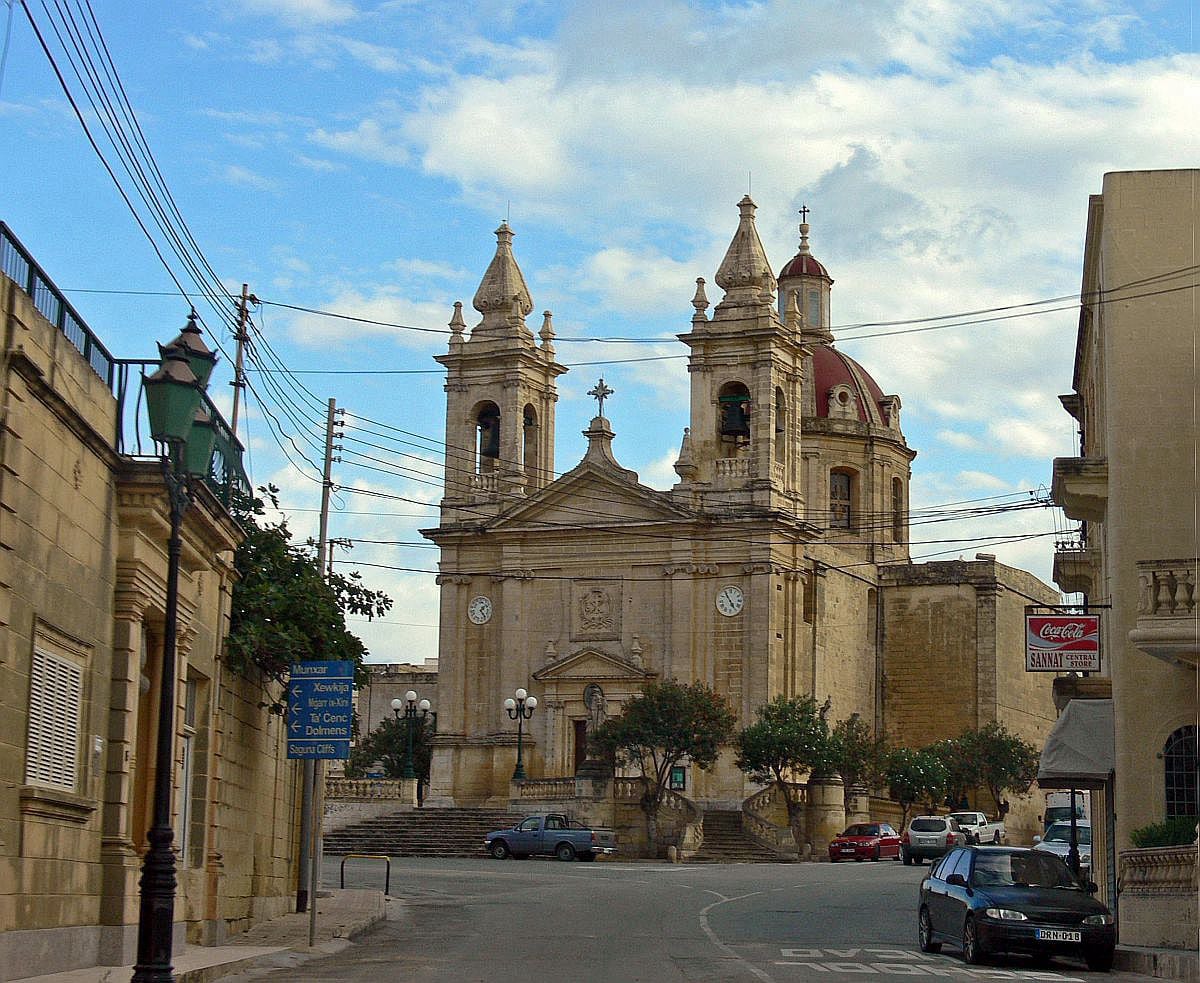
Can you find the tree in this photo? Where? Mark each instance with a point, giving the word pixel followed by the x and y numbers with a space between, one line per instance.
pixel 388 743
pixel 914 776
pixel 660 727
pixel 1003 761
pixel 282 610
pixel 961 767
pixel 858 755
pixel 790 736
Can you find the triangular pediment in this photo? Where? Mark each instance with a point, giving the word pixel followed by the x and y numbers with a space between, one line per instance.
pixel 590 664
pixel 589 495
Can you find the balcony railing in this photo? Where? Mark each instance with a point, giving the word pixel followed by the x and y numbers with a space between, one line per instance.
pixel 18 265
pixel 122 376
pixel 1166 623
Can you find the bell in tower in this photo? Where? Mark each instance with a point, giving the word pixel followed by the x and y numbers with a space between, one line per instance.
pixel 734 403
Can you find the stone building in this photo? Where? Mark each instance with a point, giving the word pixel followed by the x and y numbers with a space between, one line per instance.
pixel 83 560
pixel 777 564
pixel 1133 487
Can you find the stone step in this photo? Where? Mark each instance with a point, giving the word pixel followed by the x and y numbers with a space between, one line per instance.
pixel 421 832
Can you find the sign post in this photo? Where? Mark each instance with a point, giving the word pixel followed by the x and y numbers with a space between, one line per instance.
pixel 319 720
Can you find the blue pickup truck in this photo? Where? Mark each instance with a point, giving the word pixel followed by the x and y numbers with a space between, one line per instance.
pixel 550 835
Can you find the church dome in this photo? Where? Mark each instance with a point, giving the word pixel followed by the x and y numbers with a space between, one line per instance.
pixel 845 390
pixel 804 263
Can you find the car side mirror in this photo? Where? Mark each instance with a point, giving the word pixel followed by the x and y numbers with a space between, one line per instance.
pixel 957 880
pixel 1037 839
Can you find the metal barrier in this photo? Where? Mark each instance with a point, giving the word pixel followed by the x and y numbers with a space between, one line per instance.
pixel 387 877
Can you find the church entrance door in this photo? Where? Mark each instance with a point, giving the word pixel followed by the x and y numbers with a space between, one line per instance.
pixel 581 742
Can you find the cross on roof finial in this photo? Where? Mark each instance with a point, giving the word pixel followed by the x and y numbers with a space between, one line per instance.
pixel 601 392
pixel 804 209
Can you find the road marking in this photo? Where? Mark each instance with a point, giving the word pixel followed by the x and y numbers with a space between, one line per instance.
pixel 716 941
pixel 901 962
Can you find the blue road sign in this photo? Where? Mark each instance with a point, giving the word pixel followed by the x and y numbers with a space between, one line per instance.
pixel 320 709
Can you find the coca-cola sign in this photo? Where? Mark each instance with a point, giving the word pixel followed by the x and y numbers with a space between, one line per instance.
pixel 1062 643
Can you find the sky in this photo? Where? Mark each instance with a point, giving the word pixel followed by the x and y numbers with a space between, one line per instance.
pixel 356 157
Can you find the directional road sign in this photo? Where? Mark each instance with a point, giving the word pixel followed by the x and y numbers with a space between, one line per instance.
pixel 320 709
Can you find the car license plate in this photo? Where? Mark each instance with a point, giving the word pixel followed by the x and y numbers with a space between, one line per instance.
pixel 847 849
pixel 1058 935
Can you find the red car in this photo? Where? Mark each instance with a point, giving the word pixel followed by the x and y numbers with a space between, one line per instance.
pixel 866 841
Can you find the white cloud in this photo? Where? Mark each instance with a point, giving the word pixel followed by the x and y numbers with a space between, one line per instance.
pixel 1029 438
pixel 660 473
pixel 384 307
pixel 244 177
pixel 374 56
pixel 369 139
pixel 959 440
pixel 298 12
pixel 983 480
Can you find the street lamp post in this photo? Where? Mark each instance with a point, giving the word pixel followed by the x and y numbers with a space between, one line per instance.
pixel 184 429
pixel 410 706
pixel 520 710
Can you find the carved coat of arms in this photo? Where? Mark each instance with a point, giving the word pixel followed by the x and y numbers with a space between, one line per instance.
pixel 596 610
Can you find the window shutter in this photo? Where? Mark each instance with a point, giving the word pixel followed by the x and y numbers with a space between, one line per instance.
pixel 55 697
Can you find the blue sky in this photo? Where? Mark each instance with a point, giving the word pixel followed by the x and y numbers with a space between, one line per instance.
pixel 356 157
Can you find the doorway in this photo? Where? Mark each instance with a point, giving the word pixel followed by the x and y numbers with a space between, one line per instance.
pixel 581 743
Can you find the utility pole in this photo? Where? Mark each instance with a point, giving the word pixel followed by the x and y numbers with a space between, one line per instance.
pixel 242 336
pixel 311 799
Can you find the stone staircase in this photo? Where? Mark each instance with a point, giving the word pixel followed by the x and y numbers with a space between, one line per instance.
pixel 421 833
pixel 725 843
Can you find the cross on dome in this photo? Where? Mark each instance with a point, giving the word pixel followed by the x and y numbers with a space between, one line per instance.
pixel 600 392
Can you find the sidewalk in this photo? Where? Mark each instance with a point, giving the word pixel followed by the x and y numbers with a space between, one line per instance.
pixel 341 915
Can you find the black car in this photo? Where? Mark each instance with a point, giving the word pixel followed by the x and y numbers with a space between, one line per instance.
pixel 1008 899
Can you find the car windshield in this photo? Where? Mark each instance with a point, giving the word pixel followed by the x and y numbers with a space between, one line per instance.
pixel 963 817
pixel 861 829
pixel 1061 833
pixel 1026 869
pixel 928 825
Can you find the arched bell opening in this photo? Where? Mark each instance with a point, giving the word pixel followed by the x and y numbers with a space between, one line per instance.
pixel 487 444
pixel 529 441
pixel 733 422
pixel 781 427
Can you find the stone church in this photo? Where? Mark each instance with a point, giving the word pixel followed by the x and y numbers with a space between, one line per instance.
pixel 777 564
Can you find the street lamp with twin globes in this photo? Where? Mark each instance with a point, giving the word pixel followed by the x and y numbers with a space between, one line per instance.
pixel 520 710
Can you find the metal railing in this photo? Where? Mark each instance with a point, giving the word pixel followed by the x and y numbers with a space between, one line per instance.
pixel 18 265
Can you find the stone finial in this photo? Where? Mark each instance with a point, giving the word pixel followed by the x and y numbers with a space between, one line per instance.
pixel 547 333
pixel 635 652
pixel 700 301
pixel 551 651
pixel 502 293
pixel 457 325
pixel 794 316
pixel 685 467
pixel 745 274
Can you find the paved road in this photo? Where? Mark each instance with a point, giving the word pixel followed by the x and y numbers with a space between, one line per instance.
pixel 457 921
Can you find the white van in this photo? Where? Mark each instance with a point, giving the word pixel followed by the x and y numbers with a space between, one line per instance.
pixel 1058 808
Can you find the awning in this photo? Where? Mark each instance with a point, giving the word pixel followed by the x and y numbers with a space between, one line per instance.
pixel 1079 752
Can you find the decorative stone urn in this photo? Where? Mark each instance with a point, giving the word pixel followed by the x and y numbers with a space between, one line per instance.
pixel 826 812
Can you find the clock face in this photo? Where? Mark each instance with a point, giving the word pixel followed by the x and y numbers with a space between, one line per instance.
pixel 730 600
pixel 480 610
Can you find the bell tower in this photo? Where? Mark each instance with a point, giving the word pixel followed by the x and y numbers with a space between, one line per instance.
pixel 500 394
pixel 746 362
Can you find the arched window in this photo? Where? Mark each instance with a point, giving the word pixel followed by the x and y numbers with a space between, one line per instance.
pixel 780 427
pixel 487 425
pixel 814 308
pixel 529 430
pixel 841 500
pixel 897 510
pixel 1179 766
pixel 733 402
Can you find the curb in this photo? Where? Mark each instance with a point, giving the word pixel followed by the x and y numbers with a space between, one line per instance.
pixel 1165 964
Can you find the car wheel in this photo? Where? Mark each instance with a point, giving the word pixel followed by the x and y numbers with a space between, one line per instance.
pixel 925 933
pixel 973 952
pixel 906 857
pixel 565 852
pixel 499 850
pixel 1099 960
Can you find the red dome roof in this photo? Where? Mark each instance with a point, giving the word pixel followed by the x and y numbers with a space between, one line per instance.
pixel 831 369
pixel 804 264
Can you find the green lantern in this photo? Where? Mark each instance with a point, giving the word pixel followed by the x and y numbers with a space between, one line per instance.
pixel 200 358
pixel 199 450
pixel 172 398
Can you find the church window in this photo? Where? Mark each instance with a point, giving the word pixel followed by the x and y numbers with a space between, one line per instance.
pixel 734 404
pixel 1179 765
pixel 814 308
pixel 897 510
pixel 487 424
pixel 780 427
pixel 529 430
pixel 841 486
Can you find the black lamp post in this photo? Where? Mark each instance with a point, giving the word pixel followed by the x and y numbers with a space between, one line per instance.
pixel 520 710
pixel 185 432
pixel 410 706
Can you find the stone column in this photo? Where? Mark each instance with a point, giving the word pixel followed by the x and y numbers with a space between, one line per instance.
pixel 826 813
pixel 858 805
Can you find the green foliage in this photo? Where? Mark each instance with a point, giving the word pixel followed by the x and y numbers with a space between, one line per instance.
pixel 660 727
pixel 790 735
pixel 388 743
pixel 960 767
pixel 915 776
pixel 1176 831
pixel 282 610
pixel 858 755
pixel 1004 761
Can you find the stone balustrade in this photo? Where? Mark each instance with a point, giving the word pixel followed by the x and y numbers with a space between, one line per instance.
pixel 736 467
pixel 1159 870
pixel 1159 889
pixel 1166 622
pixel 546 788
pixel 364 788
pixel 760 815
pixel 488 483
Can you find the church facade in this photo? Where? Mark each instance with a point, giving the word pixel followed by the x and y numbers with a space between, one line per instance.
pixel 778 564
